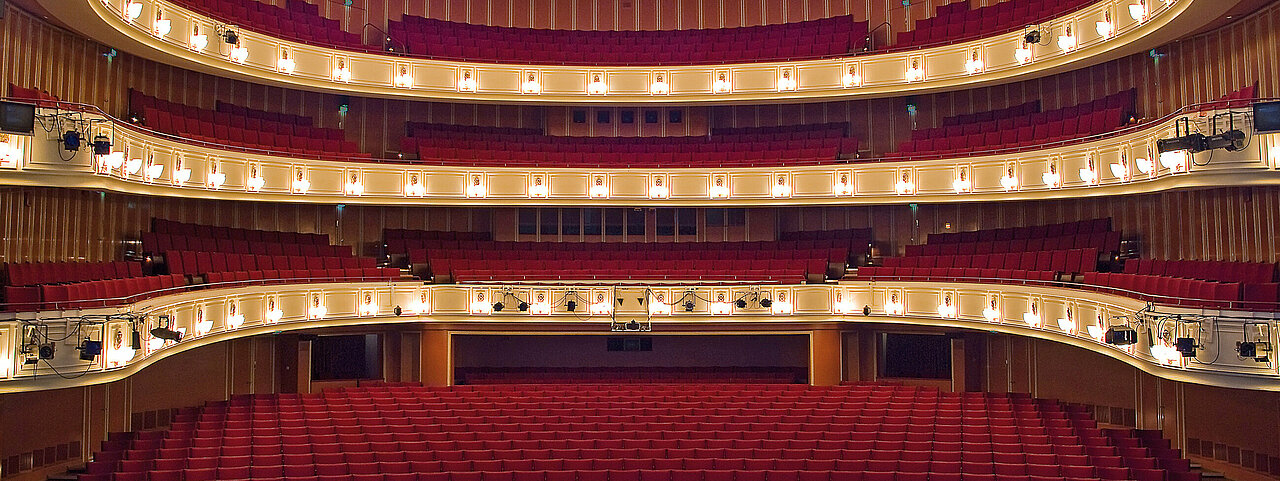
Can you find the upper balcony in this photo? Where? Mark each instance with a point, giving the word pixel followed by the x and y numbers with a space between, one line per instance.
pixel 817 60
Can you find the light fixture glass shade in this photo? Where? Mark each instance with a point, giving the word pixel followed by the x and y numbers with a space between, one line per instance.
pixel 180 176
pixel 905 187
pixel 1088 176
pixel 254 184
pixel 531 86
pixel 973 66
pixel 133 166
pixel 597 87
pixel 286 65
pixel 132 10
pixel 1175 160
pixel 216 179
pixel 301 186
pixel 1120 170
pixel 1105 28
pixel 238 54
pixel 1052 179
pixel 1022 54
pixel 1138 10
pixel 659 88
pixel 1144 165
pixel 1067 42
pixel 991 314
pixel 342 74
pixel 1066 324
pixel 162 27
pixel 354 188
pixel 1097 332
pixel 235 321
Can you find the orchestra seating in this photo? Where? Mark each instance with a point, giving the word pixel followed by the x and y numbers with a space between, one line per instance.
pixel 631 375
pixel 827 37
pixel 637 432
pixel 956 21
pixel 738 147
pixel 297 21
pixel 759 261
pixel 1213 284
pixel 76 285
pixel 240 127
pixel 1018 127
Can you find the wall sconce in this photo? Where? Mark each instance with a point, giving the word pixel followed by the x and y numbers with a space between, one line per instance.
pixel 181 173
pixel 905 186
pixel 541 305
pixel 720 305
pixel 601 304
pixel 598 187
pixel 659 85
pixel 285 65
pixel 962 184
pixel 1105 27
pixel 234 318
pixel 153 169
pixel 413 185
pixel 1121 169
pixel 1032 317
pixel 340 71
pixel 421 303
pixel 974 64
pixel 781 185
pixel 721 85
pixel 1023 53
pixel 786 79
pixel 893 305
pixel 162 25
pixel 781 304
pixel 531 84
pixel 1089 173
pixel 201 325
pixel 300 183
pixel 198 40
pixel 992 312
pixel 478 304
pixel 1138 11
pixel 947 308
pixel 852 77
pixel 132 164
pixel 719 188
pixel 132 10
pixel 1052 178
pixel 11 151
pixel 1175 160
pixel 658 186
pixel 658 304
pixel 843 183
pixel 215 179
pixel 538 186
pixel 915 72
pixel 477 186
pixel 316 308
pixel 272 313
pixel 403 79
pixel 597 86
pixel 354 185
pixel 1068 323
pixel 238 53
pixel 254 182
pixel 842 302
pixel 368 307
pixel 1067 41
pixel 466 80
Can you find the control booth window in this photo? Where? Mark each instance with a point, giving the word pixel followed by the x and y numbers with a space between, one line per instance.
pixel 918 356
pixel 336 358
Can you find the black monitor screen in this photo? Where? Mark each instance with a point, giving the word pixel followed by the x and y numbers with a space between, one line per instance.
pixel 17 118
pixel 1266 117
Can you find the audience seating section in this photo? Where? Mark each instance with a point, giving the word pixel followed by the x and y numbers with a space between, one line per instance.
pixel 828 37
pixel 1043 266
pixel 780 262
pixel 1211 284
pixel 401 241
pixel 956 21
pixel 632 375
pixel 1094 233
pixel 243 128
pixel 83 295
pixel 1237 99
pixel 1020 131
pixel 218 267
pixel 41 98
pixel 637 432
pixel 857 240
pixel 164 226
pixel 27 285
pixel 298 21
pixel 763 146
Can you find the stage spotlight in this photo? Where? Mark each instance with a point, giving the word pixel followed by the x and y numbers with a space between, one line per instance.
pixel 522 306
pixel 1185 346
pixel 766 303
pixel 866 310
pixel 71 140
pixel 397 311
pixel 1032 37
pixel 89 350
pixel 1191 143
pixel 135 340
pixel 163 330
pixel 633 325
pixel 230 37
pixel 688 306
pixel 1121 336
pixel 1231 140
pixel 46 350
pixel 571 306
pixel 101 145
pixel 1257 350
pixel 497 306
pixel 741 303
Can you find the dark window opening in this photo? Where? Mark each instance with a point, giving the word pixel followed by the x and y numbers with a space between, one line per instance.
pixel 635 223
pixel 527 222
pixel 613 220
pixel 579 116
pixel 629 344
pixel 345 357
pixel 925 356
pixel 675 116
pixel 603 117
pixel 571 222
pixel 651 116
pixel 687 222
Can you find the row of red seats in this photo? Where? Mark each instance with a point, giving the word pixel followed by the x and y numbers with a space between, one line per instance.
pixel 165 226
pixel 826 37
pixel 40 97
pixel 443 134
pixel 311 275
pixel 987 266
pixel 406 472
pixel 650 374
pixel 229 115
pixel 36 273
pixel 1102 241
pixel 1026 232
pixel 299 21
pixel 158 242
pixel 1020 110
pixel 1243 97
pixel 729 272
pixel 415 234
pixel 197 262
pixel 1192 292
pixel 620 252
pixel 956 21
pixel 85 295
pixel 265 116
pixel 1222 271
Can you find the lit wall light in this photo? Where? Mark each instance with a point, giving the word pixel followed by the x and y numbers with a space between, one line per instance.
pixel 1121 169
pixel 915 72
pixel 340 72
pixel 254 182
pixel 658 187
pixel 202 324
pixel 659 85
pixel 599 188
pixel 947 308
pixel 1068 323
pixel 317 309
pixel 842 302
pixel 153 169
pixel 477 187
pixel 541 305
pixel 238 53
pixel 893 305
pixel 538 186
pixel 720 306
pixel 119 349
pixel 467 81
pixel 1023 53
pixel 421 303
pixel 962 183
pixel 198 40
pixel 235 318
pixel 781 304
pixel 601 304
pixel 286 64
pixel 1273 155
pixel 992 312
pixel 851 78
pixel 843 183
pixel 215 178
pixel 974 64
pixel 10 151
pixel 354 185
pixel 479 305
pixel 719 188
pixel 531 84
pixel 1052 178
pixel 132 10
pixel 1146 165
pixel 786 80
pixel 1138 10
pixel 658 305
pixel 597 86
pixel 111 161
pixel 905 186
pixel 1089 173
pixel 368 307
pixel 300 183
pixel 1175 160
pixel 781 186
pixel 413 186
pixel 1032 317
pixel 403 78
pixel 181 173
pixel 1106 27
pixel 162 25
pixel 132 164
pixel 1165 353
pixel 721 85
pixel 1067 41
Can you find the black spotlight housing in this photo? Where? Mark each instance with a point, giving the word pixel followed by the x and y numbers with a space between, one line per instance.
pixel 397 311
pixel 1120 336
pixel 89 349
pixel 741 303
pixel 632 325
pixel 230 37
pixel 1032 37
pixel 866 310
pixel 101 145
pixel 522 306
pixel 1256 350
pixel 1185 346
pixel 71 141
pixel 688 306
pixel 46 351
pixel 135 340
pixel 1231 140
pixel 766 302
pixel 1191 143
pixel 497 306
pixel 571 306
pixel 166 334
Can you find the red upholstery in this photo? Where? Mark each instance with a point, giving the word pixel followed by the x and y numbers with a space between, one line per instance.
pixel 637 432
pixel 631 375
pixel 956 21
pixel 1211 284
pixel 1094 233
pixel 299 21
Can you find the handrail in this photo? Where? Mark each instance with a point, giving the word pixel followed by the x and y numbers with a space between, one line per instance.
pixel 108 302
pixel 1141 125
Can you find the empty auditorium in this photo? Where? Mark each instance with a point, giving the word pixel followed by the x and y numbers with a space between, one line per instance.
pixel 639 240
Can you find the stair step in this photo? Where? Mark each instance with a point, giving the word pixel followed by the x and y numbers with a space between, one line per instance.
pixel 1212 474
pixel 63 477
